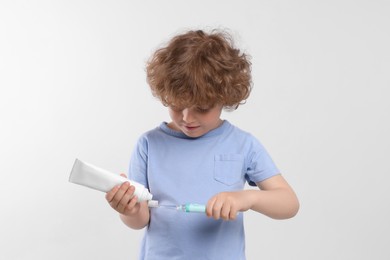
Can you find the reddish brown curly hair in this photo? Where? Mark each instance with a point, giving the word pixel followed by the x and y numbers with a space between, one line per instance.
pixel 202 69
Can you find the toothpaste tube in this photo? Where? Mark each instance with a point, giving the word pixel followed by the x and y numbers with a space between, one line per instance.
pixel 88 175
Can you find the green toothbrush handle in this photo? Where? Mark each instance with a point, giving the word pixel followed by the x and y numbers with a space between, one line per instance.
pixel 195 208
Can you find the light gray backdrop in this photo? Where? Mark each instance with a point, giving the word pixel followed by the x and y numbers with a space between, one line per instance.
pixel 73 85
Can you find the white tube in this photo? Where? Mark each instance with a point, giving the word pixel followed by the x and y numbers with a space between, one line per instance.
pixel 99 179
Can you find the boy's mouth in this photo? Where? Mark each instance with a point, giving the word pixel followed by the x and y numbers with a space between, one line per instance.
pixel 191 128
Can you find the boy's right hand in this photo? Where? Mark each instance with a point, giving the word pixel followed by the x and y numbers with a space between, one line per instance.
pixel 122 199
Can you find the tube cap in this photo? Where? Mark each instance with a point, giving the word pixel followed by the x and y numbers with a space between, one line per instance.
pixel 153 203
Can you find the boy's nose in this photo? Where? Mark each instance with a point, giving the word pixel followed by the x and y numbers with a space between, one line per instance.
pixel 187 115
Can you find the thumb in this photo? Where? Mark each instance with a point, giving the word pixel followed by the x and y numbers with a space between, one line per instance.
pixel 123 175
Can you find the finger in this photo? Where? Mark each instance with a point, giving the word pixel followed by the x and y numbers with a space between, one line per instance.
pixel 132 206
pixel 119 194
pixel 123 175
pixel 233 214
pixel 225 212
pixel 123 203
pixel 110 194
pixel 216 211
pixel 209 207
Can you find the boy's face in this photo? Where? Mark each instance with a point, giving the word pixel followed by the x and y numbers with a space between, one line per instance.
pixel 195 121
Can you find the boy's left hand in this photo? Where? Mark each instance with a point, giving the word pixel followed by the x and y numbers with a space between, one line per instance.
pixel 226 205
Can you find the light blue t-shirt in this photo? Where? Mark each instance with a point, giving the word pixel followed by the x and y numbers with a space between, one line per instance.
pixel 178 169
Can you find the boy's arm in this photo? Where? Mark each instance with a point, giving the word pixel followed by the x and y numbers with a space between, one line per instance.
pixel 135 215
pixel 275 199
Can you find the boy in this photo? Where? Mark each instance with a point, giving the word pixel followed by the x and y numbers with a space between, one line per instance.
pixel 200 158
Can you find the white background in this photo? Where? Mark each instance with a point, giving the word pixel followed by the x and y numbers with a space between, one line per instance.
pixel 73 85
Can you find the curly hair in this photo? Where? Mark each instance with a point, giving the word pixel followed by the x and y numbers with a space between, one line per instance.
pixel 199 68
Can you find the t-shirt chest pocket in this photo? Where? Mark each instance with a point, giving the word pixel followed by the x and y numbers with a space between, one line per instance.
pixel 228 168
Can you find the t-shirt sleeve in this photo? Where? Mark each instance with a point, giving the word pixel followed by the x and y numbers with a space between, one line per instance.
pixel 260 164
pixel 138 162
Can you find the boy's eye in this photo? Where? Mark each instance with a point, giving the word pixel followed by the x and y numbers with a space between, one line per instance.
pixel 202 110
